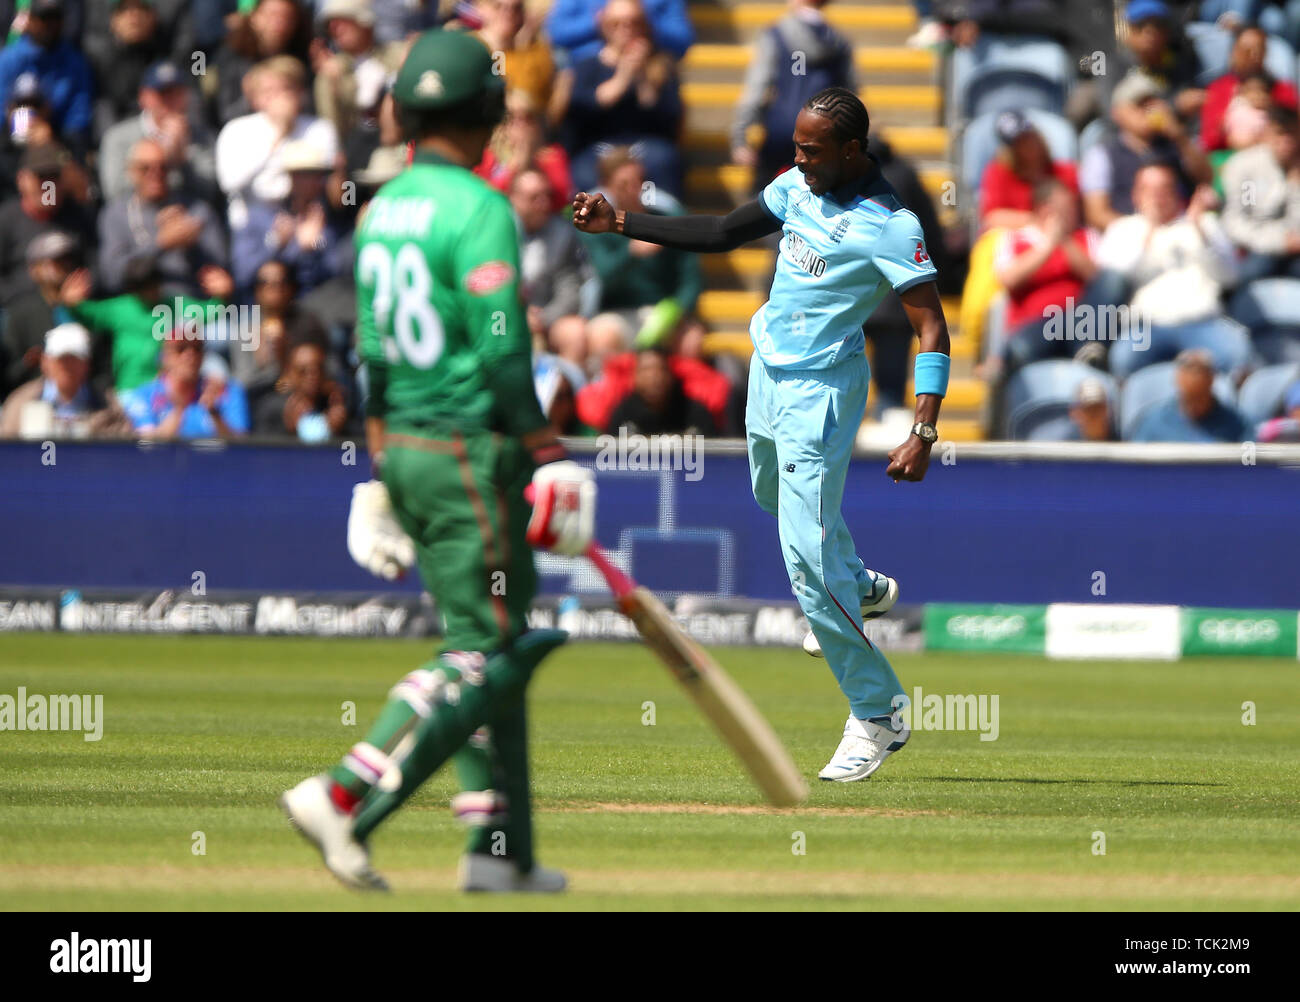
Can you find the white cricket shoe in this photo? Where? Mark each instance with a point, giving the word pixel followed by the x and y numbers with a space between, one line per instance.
pixel 314 815
pixel 870 610
pixel 481 872
pixel 864 747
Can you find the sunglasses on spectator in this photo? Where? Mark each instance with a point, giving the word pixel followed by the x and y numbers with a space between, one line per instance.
pixel 271 281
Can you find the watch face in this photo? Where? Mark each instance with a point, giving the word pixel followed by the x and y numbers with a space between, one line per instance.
pixel 925 432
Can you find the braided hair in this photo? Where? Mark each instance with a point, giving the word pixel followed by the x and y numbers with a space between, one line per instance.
pixel 847 114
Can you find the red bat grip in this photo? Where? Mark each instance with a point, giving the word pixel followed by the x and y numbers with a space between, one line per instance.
pixel 619 583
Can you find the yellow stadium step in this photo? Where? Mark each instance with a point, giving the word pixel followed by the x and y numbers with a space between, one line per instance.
pixel 867 59
pixel 728 342
pixel 745 262
pixel 724 308
pixel 963 394
pixel 960 430
pixel 878 98
pixel 760 15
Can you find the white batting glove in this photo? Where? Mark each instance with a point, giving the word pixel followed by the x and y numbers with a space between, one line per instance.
pixel 564 508
pixel 375 540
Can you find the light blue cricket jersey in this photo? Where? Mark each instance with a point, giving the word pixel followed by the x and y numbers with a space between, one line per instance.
pixel 839 257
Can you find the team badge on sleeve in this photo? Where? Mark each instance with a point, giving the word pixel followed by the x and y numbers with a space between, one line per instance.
pixel 921 256
pixel 488 277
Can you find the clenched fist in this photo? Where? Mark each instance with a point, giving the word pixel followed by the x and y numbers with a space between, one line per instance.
pixel 594 214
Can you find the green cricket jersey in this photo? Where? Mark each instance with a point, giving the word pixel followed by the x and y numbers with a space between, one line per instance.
pixel 441 324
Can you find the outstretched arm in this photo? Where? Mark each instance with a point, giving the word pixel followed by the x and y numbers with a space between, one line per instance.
pixel 593 214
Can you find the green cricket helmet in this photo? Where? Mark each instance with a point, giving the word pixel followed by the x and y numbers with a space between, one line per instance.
pixel 453 73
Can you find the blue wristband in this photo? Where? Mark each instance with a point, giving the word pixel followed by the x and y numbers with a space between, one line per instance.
pixel 931 375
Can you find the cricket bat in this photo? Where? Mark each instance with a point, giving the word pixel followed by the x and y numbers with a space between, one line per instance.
pixel 719 698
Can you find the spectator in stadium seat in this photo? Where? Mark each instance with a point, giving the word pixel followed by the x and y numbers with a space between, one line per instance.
pixel 1044 267
pixel 250 156
pixel 184 401
pixel 972 18
pixel 63 72
pixel 27 122
pixel 519 142
pixel 134 43
pixel 1022 163
pixel 525 57
pixel 645 288
pixel 1090 416
pixel 553 266
pixel 1169 262
pixel 1246 120
pixel 284 324
pixel 131 321
pixel 1148 131
pixel 51 258
pixel 303 403
pixel 168 113
pixel 175 27
pixel 1246 61
pixel 557 383
pixel 1158 51
pixel 1194 414
pixel 180 232
pixel 63 399
pixel 1261 206
pixel 573 26
pixel 626 94
pixel 308 235
pixel 273 28
pixel 773 93
pixel 1285 427
pixel 51 189
pixel 351 70
pixel 658 404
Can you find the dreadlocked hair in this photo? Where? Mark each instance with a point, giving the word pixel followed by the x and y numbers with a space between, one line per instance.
pixel 847 114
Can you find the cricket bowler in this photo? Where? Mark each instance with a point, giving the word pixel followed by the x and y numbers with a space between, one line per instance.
pixel 456 433
pixel 846 241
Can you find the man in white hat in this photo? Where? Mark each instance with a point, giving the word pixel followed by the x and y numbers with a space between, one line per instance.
pixel 61 401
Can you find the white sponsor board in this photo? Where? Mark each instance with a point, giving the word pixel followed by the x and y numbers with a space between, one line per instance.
pixel 1148 632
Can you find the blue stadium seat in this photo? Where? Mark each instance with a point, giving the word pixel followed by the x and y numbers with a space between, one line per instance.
pixel 1270 309
pixel 1039 396
pixel 1152 386
pixel 996 88
pixel 1095 132
pixel 1043 56
pixel 1213 46
pixel 1262 394
pixel 980 142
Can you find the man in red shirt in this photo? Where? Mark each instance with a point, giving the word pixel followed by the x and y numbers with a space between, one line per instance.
pixel 1247 60
pixel 1024 161
pixel 1044 267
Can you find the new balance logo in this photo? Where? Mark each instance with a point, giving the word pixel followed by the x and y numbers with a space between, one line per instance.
pixel 789 467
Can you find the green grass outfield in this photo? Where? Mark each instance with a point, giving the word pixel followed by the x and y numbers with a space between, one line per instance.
pixel 1198 810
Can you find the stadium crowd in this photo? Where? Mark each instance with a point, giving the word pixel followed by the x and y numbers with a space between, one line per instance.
pixel 181 181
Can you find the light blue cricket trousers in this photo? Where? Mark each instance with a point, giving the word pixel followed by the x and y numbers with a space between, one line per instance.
pixel 800 425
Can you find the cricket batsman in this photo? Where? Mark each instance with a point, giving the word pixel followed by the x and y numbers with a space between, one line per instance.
pixel 846 241
pixel 456 434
